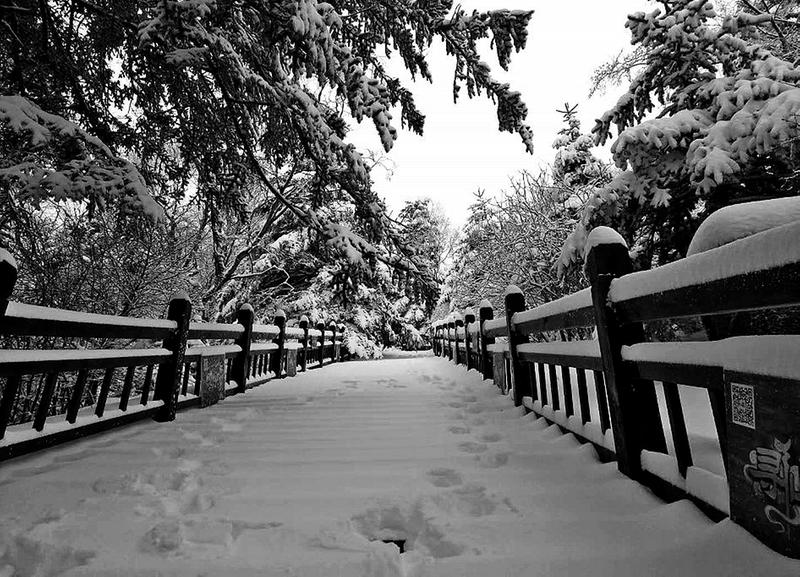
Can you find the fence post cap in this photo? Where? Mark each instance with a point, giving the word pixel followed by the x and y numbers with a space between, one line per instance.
pixel 279 314
pixel 246 307
pixel 485 304
pixel 602 235
pixel 304 319
pixel 513 289
pixel 180 295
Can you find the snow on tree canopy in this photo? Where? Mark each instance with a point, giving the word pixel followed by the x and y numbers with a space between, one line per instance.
pixel 710 115
pixel 741 220
pixel 93 171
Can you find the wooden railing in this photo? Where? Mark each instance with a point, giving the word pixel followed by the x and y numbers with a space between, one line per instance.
pixel 142 368
pixel 604 390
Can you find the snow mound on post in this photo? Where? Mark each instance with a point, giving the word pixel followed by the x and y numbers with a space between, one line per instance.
pixel 485 304
pixel 280 314
pixel 512 289
pixel 602 235
pixel 741 220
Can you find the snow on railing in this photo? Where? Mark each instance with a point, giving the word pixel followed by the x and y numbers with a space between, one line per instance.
pixel 54 395
pixel 603 390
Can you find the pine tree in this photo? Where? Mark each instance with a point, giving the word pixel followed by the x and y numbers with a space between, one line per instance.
pixel 724 130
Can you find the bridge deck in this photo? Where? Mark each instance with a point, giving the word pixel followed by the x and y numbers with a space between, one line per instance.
pixel 305 476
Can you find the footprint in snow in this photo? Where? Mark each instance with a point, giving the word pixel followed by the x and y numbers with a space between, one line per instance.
pixel 493 460
pixel 472 447
pixel 443 477
pixel 491 437
pixel 456 430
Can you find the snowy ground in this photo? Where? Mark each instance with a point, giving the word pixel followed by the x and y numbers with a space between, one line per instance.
pixel 298 477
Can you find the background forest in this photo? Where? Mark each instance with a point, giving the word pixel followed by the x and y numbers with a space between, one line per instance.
pixel 148 147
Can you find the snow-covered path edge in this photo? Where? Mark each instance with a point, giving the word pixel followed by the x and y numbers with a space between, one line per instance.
pixel 306 476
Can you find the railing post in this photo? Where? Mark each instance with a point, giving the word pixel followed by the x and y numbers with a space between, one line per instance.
pixel 485 313
pixel 469 318
pixel 239 363
pixel 169 372
pixel 304 326
pixel 634 407
pixel 520 376
pixel 334 347
pixel 321 329
pixel 8 278
pixel 459 322
pixel 280 340
pixel 451 324
pixel 343 354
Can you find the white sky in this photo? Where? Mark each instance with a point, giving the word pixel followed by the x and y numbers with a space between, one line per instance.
pixel 462 150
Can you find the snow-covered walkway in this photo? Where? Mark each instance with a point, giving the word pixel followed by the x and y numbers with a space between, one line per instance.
pixel 301 476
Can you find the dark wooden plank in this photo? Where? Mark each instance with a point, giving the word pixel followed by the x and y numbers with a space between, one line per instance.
pixel 76 400
pixel 45 400
pixel 555 398
pixel 566 380
pixel 127 386
pixel 87 329
pixel 602 401
pixel 10 392
pixel 76 362
pixel 680 438
pixel 772 288
pixel 574 361
pixel 147 384
pixel 212 331
pixel 100 405
pixel 707 377
pixel 583 397
pixel 582 317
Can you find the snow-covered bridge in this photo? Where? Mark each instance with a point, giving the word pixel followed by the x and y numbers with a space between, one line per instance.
pixel 415 466
pixel 308 477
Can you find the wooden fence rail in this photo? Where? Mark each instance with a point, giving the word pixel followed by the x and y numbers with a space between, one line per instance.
pixel 167 364
pixel 604 390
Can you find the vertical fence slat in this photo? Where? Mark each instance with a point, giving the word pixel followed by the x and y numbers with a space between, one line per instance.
pixel 542 384
pixel 147 384
pixel 77 396
pixel 127 386
pixel 45 400
pixel 583 396
pixel 100 405
pixel 10 392
pixel 555 398
pixel 566 380
pixel 680 438
pixel 187 371
pixel 602 401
